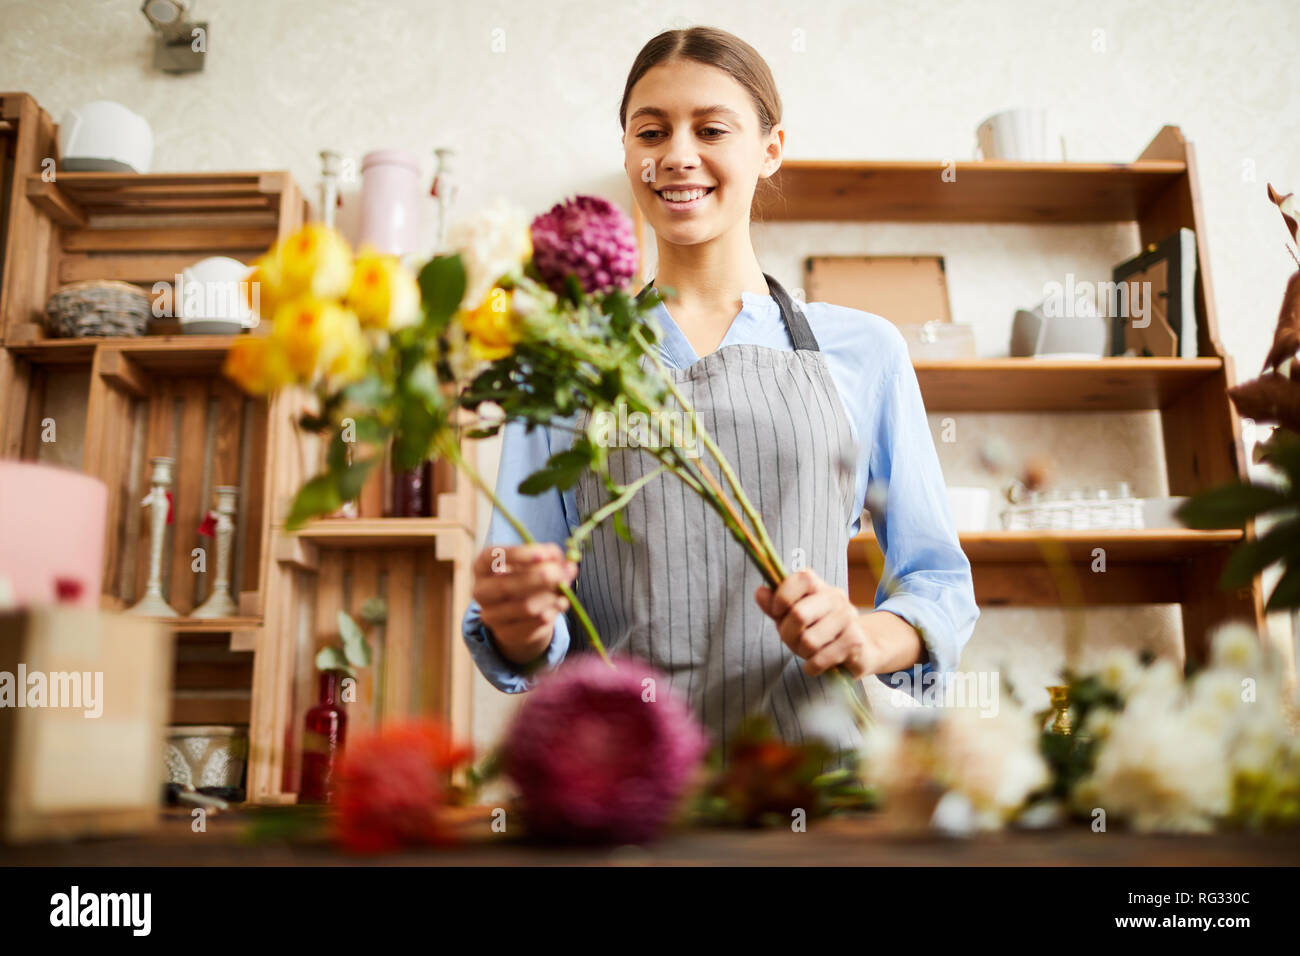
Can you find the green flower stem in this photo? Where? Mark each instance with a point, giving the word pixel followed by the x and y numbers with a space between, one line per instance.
pixel 723 465
pixel 451 450
pixel 626 494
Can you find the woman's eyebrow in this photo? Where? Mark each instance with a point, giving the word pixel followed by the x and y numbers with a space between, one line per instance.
pixel 698 111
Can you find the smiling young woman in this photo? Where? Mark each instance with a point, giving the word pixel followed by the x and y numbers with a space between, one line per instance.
pixel 811 403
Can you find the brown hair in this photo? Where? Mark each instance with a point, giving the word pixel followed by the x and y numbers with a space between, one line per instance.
pixel 712 47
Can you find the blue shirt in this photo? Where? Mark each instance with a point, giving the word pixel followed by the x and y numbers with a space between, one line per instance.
pixel 869 363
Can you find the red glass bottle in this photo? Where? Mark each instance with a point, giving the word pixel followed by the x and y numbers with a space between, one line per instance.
pixel 322 743
pixel 413 492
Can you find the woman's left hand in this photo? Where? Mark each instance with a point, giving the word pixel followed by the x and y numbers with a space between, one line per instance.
pixel 819 622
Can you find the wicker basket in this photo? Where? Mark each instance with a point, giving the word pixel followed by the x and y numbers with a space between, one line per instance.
pixel 97 307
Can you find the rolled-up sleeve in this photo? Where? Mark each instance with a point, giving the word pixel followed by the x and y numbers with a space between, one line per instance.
pixel 927 578
pixel 543 515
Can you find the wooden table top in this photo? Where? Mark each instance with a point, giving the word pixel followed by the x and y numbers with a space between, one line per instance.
pixel 857 840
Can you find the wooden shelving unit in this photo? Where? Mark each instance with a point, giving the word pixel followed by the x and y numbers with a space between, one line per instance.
pixel 119 401
pixel 1200 427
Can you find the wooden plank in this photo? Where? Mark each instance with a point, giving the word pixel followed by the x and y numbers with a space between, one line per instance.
pixel 368 711
pixel 399 634
pixel 211 710
pixel 1030 384
pixel 208 241
pixel 15 386
pixel 969 191
pixel 225 469
pixel 123 374
pixel 31 239
pixel 1026 585
pixel 433 576
pixel 1026 547
pixel 191 463
pixel 54 203
pixel 143 268
pixel 254 538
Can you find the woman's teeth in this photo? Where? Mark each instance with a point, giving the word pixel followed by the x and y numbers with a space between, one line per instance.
pixel 685 195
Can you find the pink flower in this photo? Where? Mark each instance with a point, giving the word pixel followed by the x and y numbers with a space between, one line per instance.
pixel 601 755
pixel 589 238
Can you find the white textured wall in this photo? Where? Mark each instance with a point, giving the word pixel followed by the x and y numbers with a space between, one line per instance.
pixel 527 93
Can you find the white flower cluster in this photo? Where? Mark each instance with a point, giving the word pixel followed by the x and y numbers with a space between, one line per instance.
pixel 1180 756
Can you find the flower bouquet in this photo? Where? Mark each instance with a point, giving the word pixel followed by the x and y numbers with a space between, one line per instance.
pixel 520 322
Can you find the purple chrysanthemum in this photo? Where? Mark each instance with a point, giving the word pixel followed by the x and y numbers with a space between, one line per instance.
pixel 586 237
pixel 596 763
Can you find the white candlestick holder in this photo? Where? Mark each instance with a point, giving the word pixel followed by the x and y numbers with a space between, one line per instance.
pixel 220 603
pixel 153 604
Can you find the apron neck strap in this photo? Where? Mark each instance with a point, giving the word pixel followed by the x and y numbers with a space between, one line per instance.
pixel 801 334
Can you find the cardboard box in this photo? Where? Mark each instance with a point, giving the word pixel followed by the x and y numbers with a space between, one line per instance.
pixel 84 700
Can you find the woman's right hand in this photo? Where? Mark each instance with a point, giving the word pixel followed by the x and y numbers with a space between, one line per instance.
pixel 517 589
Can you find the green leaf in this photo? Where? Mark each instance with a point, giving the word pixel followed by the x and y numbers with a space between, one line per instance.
pixel 355 646
pixel 1229 506
pixel 318 497
pixel 374 611
pixel 442 286
pixel 1287 593
pixel 354 476
pixel 1252 557
pixel 372 390
pixel 331 658
pixel 561 471
pixel 337 456
pixel 621 528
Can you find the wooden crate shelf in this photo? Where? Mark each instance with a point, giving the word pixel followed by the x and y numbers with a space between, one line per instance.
pixel 421 665
pixel 116 402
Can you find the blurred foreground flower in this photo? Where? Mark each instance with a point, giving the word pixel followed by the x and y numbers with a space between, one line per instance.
pixel 392 785
pixel 601 755
pixel 1170 755
pixel 766 781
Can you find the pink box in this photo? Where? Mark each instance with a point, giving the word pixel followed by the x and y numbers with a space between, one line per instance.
pixel 52 525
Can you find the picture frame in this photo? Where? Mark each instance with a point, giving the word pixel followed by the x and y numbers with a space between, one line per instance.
pixel 1170 268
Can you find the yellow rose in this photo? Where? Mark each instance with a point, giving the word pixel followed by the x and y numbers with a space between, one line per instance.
pixel 351 351
pixel 256 364
pixel 311 333
pixel 493 327
pixel 383 293
pixel 315 261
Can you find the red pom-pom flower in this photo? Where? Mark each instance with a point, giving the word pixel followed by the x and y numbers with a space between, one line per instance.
pixel 391 785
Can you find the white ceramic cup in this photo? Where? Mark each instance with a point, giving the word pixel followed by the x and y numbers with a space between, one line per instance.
pixel 104 135
pixel 1020 135
pixel 970 508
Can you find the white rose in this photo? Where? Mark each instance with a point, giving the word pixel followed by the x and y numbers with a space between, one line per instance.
pixel 492 244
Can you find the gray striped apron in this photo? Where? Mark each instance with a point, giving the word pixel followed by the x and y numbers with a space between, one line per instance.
pixel 681 595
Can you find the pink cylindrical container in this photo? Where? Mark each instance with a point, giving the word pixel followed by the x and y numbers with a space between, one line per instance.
pixel 52 524
pixel 390 201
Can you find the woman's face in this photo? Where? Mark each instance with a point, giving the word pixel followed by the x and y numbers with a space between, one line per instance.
pixel 690 124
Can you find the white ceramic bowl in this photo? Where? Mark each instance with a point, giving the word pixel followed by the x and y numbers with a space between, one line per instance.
pixel 970 508
pixel 210 297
